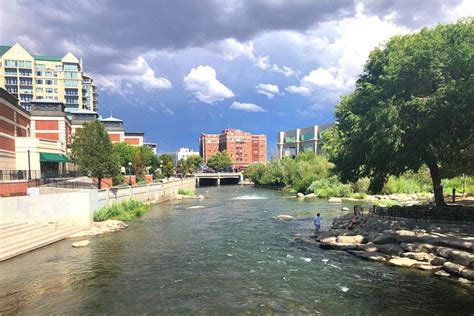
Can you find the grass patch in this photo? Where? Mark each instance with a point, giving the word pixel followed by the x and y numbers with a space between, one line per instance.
pixel 387 203
pixel 187 192
pixel 359 196
pixel 124 211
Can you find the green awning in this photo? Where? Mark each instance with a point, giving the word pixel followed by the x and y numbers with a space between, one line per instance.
pixel 49 157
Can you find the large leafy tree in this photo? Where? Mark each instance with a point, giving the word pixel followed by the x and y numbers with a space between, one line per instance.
pixel 167 165
pixel 93 152
pixel 221 161
pixel 412 106
pixel 194 162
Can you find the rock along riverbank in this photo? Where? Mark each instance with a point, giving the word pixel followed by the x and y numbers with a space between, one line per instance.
pixel 443 250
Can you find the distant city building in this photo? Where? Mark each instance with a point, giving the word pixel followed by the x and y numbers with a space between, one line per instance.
pixel 152 146
pixel 28 77
pixel 208 146
pixel 243 147
pixel 183 153
pixel 117 134
pixel 291 143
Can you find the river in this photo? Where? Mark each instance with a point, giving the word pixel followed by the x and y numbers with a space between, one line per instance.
pixel 230 257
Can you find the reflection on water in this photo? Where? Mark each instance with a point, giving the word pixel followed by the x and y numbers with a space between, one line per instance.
pixel 231 256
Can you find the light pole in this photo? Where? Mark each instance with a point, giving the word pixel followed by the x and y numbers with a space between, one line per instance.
pixel 130 173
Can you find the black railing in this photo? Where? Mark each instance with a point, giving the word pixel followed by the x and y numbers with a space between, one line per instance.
pixel 424 213
pixel 14 175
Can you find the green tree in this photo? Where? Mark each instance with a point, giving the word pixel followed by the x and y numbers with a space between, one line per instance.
pixel 194 162
pixel 124 152
pixel 152 160
pixel 183 166
pixel 93 152
pixel 221 161
pixel 412 106
pixel 167 165
pixel 139 162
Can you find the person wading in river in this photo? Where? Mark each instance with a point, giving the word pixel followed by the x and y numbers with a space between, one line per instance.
pixel 317 223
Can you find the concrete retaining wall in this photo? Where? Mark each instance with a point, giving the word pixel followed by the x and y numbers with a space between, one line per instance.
pixel 154 193
pixel 75 208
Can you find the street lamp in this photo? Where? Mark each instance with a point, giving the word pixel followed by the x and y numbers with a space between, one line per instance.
pixel 129 173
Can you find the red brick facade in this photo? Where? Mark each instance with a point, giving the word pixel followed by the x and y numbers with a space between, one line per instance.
pixel 244 148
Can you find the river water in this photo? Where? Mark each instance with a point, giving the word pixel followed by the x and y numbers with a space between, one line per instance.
pixel 230 257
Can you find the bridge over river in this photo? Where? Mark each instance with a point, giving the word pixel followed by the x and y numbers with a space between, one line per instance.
pixel 216 178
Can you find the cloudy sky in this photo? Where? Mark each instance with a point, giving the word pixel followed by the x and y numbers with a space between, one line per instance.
pixel 174 69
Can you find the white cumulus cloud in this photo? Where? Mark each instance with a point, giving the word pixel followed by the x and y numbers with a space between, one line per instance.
pixel 231 49
pixel 247 107
pixel 202 82
pixel 298 90
pixel 268 89
pixel 125 76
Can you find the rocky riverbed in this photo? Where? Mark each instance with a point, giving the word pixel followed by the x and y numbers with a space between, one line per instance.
pixel 444 250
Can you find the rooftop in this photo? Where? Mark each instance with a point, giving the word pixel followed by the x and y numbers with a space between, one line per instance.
pixel 4 49
pixel 111 119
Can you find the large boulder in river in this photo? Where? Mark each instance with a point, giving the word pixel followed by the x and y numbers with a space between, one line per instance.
pixel 385 239
pixel 403 262
pixel 300 195
pixel 369 247
pixel 345 209
pixel 371 256
pixel 467 274
pixel 285 217
pixel 420 256
pixel 390 249
pixel 453 268
pixel 438 261
pixel 335 200
pixel 417 247
pixel 357 239
pixel 81 243
pixel 458 256
pixel 310 196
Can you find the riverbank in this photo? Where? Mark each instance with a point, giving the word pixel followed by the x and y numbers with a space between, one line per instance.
pixel 443 250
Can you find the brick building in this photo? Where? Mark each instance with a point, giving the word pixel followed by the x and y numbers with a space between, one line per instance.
pixel 243 147
pixel 14 122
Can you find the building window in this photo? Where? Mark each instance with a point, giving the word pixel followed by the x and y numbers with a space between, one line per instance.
pixel 70 83
pixel 39 81
pixel 70 75
pixel 39 90
pixel 59 68
pixel 10 63
pixel 49 90
pixel 70 67
pixel 50 82
pixel 10 71
pixel 40 67
pixel 24 64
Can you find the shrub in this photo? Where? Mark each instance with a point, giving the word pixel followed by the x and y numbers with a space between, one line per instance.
pixel 124 211
pixel 359 195
pixel 361 186
pixel 329 187
pixel 458 184
pixel 187 192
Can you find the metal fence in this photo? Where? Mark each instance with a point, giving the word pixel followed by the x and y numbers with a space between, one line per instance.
pixel 13 175
pixel 450 213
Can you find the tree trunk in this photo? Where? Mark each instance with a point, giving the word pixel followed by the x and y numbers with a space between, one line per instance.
pixel 437 187
pixel 464 185
pixel 99 184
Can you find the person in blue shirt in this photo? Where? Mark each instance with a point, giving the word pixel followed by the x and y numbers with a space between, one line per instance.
pixel 317 223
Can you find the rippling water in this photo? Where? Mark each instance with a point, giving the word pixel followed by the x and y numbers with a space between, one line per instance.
pixel 230 257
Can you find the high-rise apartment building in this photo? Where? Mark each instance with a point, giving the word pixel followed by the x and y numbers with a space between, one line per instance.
pixel 291 143
pixel 243 147
pixel 28 77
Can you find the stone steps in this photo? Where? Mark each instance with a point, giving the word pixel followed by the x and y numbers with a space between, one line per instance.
pixel 33 236
pixel 20 230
